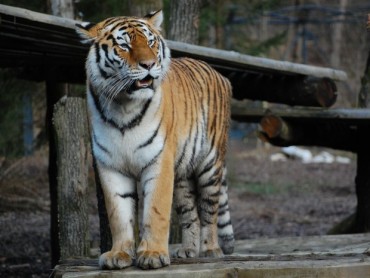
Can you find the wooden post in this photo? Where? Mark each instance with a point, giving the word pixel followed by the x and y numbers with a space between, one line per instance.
pixel 72 145
pixel 54 91
pixel 362 223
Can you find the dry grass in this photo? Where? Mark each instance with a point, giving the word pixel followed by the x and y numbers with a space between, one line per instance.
pixel 24 183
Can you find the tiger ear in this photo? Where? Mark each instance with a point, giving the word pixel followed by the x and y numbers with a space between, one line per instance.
pixel 155 18
pixel 87 31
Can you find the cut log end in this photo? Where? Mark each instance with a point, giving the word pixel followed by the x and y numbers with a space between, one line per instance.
pixel 271 125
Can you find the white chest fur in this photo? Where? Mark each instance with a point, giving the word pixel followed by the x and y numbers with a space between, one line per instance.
pixel 126 149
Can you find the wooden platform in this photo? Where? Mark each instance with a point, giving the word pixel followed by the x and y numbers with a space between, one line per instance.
pixel 321 256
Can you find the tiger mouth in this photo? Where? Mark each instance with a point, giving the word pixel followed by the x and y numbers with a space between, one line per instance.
pixel 144 83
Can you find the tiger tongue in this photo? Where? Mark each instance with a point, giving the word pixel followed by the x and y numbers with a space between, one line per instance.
pixel 143 83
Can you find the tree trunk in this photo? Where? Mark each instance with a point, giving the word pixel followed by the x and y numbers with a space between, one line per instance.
pixel 143 7
pixel 338 37
pixel 62 8
pixel 184 21
pixel 72 142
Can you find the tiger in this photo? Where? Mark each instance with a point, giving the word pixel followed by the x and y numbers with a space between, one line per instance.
pixel 161 123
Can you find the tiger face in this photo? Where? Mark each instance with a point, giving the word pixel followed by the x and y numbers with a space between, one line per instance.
pixel 128 57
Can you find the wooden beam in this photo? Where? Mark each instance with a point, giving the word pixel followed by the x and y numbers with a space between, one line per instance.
pixel 280 132
pixel 303 115
pixel 228 60
pixel 242 61
pixel 291 90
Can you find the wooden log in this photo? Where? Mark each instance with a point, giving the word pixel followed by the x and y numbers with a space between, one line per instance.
pixel 241 61
pixel 70 122
pixel 281 132
pixel 315 115
pixel 291 90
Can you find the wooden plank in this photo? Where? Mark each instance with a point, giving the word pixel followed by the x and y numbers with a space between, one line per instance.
pixel 358 116
pixel 242 61
pixel 318 256
pixel 218 57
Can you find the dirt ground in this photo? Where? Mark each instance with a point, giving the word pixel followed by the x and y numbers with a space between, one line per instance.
pixel 267 199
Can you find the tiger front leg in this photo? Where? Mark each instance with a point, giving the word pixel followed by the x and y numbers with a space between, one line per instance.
pixel 120 200
pixel 157 187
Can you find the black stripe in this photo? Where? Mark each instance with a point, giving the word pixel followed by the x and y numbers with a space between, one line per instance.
pixel 97 53
pixel 211 182
pixel 181 158
pixel 209 201
pixel 207 168
pixel 152 161
pixel 163 47
pixel 148 180
pixel 206 222
pixel 102 72
pixel 99 145
pixel 223 225
pixel 132 195
pixel 150 140
pixel 223 205
pixel 216 194
pixel 195 144
pixel 101 111
pixel 226 237
pixel 220 213
pixel 137 120
pixel 184 210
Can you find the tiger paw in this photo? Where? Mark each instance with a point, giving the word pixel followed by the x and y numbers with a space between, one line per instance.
pixel 183 252
pixel 115 260
pixel 212 253
pixel 152 259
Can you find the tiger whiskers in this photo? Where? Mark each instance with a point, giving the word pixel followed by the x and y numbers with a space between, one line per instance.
pixel 118 84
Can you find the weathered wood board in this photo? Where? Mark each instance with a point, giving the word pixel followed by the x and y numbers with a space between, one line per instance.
pixel 319 256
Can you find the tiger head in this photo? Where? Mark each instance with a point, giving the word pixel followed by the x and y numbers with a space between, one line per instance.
pixel 128 56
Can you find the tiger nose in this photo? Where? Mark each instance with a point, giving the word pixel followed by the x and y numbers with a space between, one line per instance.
pixel 146 64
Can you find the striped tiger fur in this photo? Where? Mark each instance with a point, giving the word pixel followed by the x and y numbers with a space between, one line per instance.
pixel 163 123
